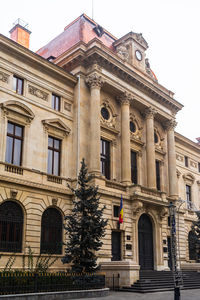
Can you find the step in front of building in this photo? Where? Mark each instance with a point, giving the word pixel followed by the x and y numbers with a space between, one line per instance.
pixel 158 281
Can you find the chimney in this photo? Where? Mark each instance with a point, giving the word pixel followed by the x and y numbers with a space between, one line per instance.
pixel 20 33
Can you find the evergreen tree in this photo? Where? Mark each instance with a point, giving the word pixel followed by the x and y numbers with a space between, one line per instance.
pixel 85 226
pixel 195 236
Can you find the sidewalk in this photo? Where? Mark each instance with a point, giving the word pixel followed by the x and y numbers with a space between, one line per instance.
pixel 185 295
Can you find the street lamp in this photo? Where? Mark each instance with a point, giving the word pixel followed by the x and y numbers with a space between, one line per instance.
pixel 175 271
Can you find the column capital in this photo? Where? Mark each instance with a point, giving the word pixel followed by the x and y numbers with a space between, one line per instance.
pixel 124 98
pixel 94 81
pixel 170 124
pixel 149 112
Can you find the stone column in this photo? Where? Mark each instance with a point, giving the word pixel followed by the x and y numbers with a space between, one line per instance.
pixel 170 125
pixel 150 147
pixel 95 83
pixel 125 139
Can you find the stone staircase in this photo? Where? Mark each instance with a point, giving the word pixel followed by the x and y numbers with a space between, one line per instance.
pixel 157 281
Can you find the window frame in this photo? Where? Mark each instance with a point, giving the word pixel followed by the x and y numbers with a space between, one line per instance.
pixel 186 161
pixel 105 158
pixel 15 137
pixel 54 99
pixel 158 175
pixel 134 167
pixel 53 149
pixel 188 191
pixel 16 88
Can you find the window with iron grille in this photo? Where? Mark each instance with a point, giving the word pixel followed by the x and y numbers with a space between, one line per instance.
pixel 105 158
pixel 11 227
pixel 188 196
pixel 116 209
pixel 14 144
pixel 134 167
pixel 18 85
pixel 158 175
pixel 55 103
pixel 54 151
pixel 51 232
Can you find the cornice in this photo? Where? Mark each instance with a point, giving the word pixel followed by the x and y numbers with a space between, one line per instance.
pixel 95 51
pixel 187 142
pixel 33 58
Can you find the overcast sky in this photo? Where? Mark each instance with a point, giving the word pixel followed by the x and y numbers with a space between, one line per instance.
pixel 171 28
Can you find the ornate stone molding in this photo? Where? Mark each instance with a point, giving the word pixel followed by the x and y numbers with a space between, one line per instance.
pixel 4 77
pixel 170 124
pixel 137 206
pixel 13 194
pixel 54 201
pixel 149 112
pixel 94 81
pixel 111 122
pixel 163 212
pixel 122 52
pixel 56 127
pixel 67 106
pixel 37 92
pixel 125 98
pixel 189 178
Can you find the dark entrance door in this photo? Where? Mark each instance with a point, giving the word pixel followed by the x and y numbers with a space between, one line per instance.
pixel 116 245
pixel 145 237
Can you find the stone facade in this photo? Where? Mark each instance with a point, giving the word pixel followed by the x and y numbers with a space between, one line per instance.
pixel 107 95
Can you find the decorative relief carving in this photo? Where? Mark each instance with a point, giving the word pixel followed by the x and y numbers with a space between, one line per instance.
pixel 95 81
pixel 67 106
pixel 149 112
pixel 178 173
pixel 137 206
pixel 159 143
pixel 125 98
pixel 140 39
pixel 122 52
pixel 111 121
pixel 193 164
pixel 179 157
pixel 170 124
pixel 137 134
pixel 163 212
pixel 4 77
pixel 54 201
pixel 13 194
pixel 189 178
pixel 17 111
pixel 56 127
pixel 37 92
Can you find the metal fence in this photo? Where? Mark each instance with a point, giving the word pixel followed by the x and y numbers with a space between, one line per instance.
pixel 27 282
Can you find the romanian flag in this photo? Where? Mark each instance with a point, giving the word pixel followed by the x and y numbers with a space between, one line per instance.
pixel 121 211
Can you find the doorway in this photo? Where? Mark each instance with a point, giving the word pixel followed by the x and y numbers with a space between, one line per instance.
pixel 145 238
pixel 116 245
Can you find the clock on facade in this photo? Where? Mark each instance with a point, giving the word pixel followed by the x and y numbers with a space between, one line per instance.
pixel 138 55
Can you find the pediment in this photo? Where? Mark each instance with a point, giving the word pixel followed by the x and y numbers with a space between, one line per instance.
pixel 189 177
pixel 56 126
pixel 18 110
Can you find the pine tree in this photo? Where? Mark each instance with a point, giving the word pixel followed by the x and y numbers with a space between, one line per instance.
pixel 195 237
pixel 85 226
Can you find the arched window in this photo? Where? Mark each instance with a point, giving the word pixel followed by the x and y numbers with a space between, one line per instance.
pixel 51 235
pixel 11 227
pixel 192 246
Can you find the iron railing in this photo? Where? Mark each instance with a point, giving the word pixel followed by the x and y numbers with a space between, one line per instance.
pixel 29 282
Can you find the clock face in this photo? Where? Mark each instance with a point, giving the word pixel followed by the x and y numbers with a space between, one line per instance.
pixel 138 55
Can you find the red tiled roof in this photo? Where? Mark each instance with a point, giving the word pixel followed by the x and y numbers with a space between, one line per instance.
pixel 81 29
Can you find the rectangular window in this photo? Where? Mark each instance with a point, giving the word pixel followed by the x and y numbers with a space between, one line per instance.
pixel 18 85
pixel 188 196
pixel 105 158
pixel 134 167
pixel 158 175
pixel 54 151
pixel 55 103
pixel 14 144
pixel 116 211
pixel 186 161
pixel 199 167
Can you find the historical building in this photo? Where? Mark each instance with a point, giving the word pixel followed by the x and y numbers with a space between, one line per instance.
pixel 88 94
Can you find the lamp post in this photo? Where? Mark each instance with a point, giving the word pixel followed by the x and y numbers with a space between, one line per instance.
pixel 176 273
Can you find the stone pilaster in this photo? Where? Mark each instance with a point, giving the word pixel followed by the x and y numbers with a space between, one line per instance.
pixel 169 126
pixel 95 83
pixel 150 147
pixel 125 138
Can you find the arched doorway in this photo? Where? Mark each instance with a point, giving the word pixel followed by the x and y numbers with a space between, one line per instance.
pixel 145 238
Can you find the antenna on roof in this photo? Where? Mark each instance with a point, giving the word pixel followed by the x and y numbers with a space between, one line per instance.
pixel 92 9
